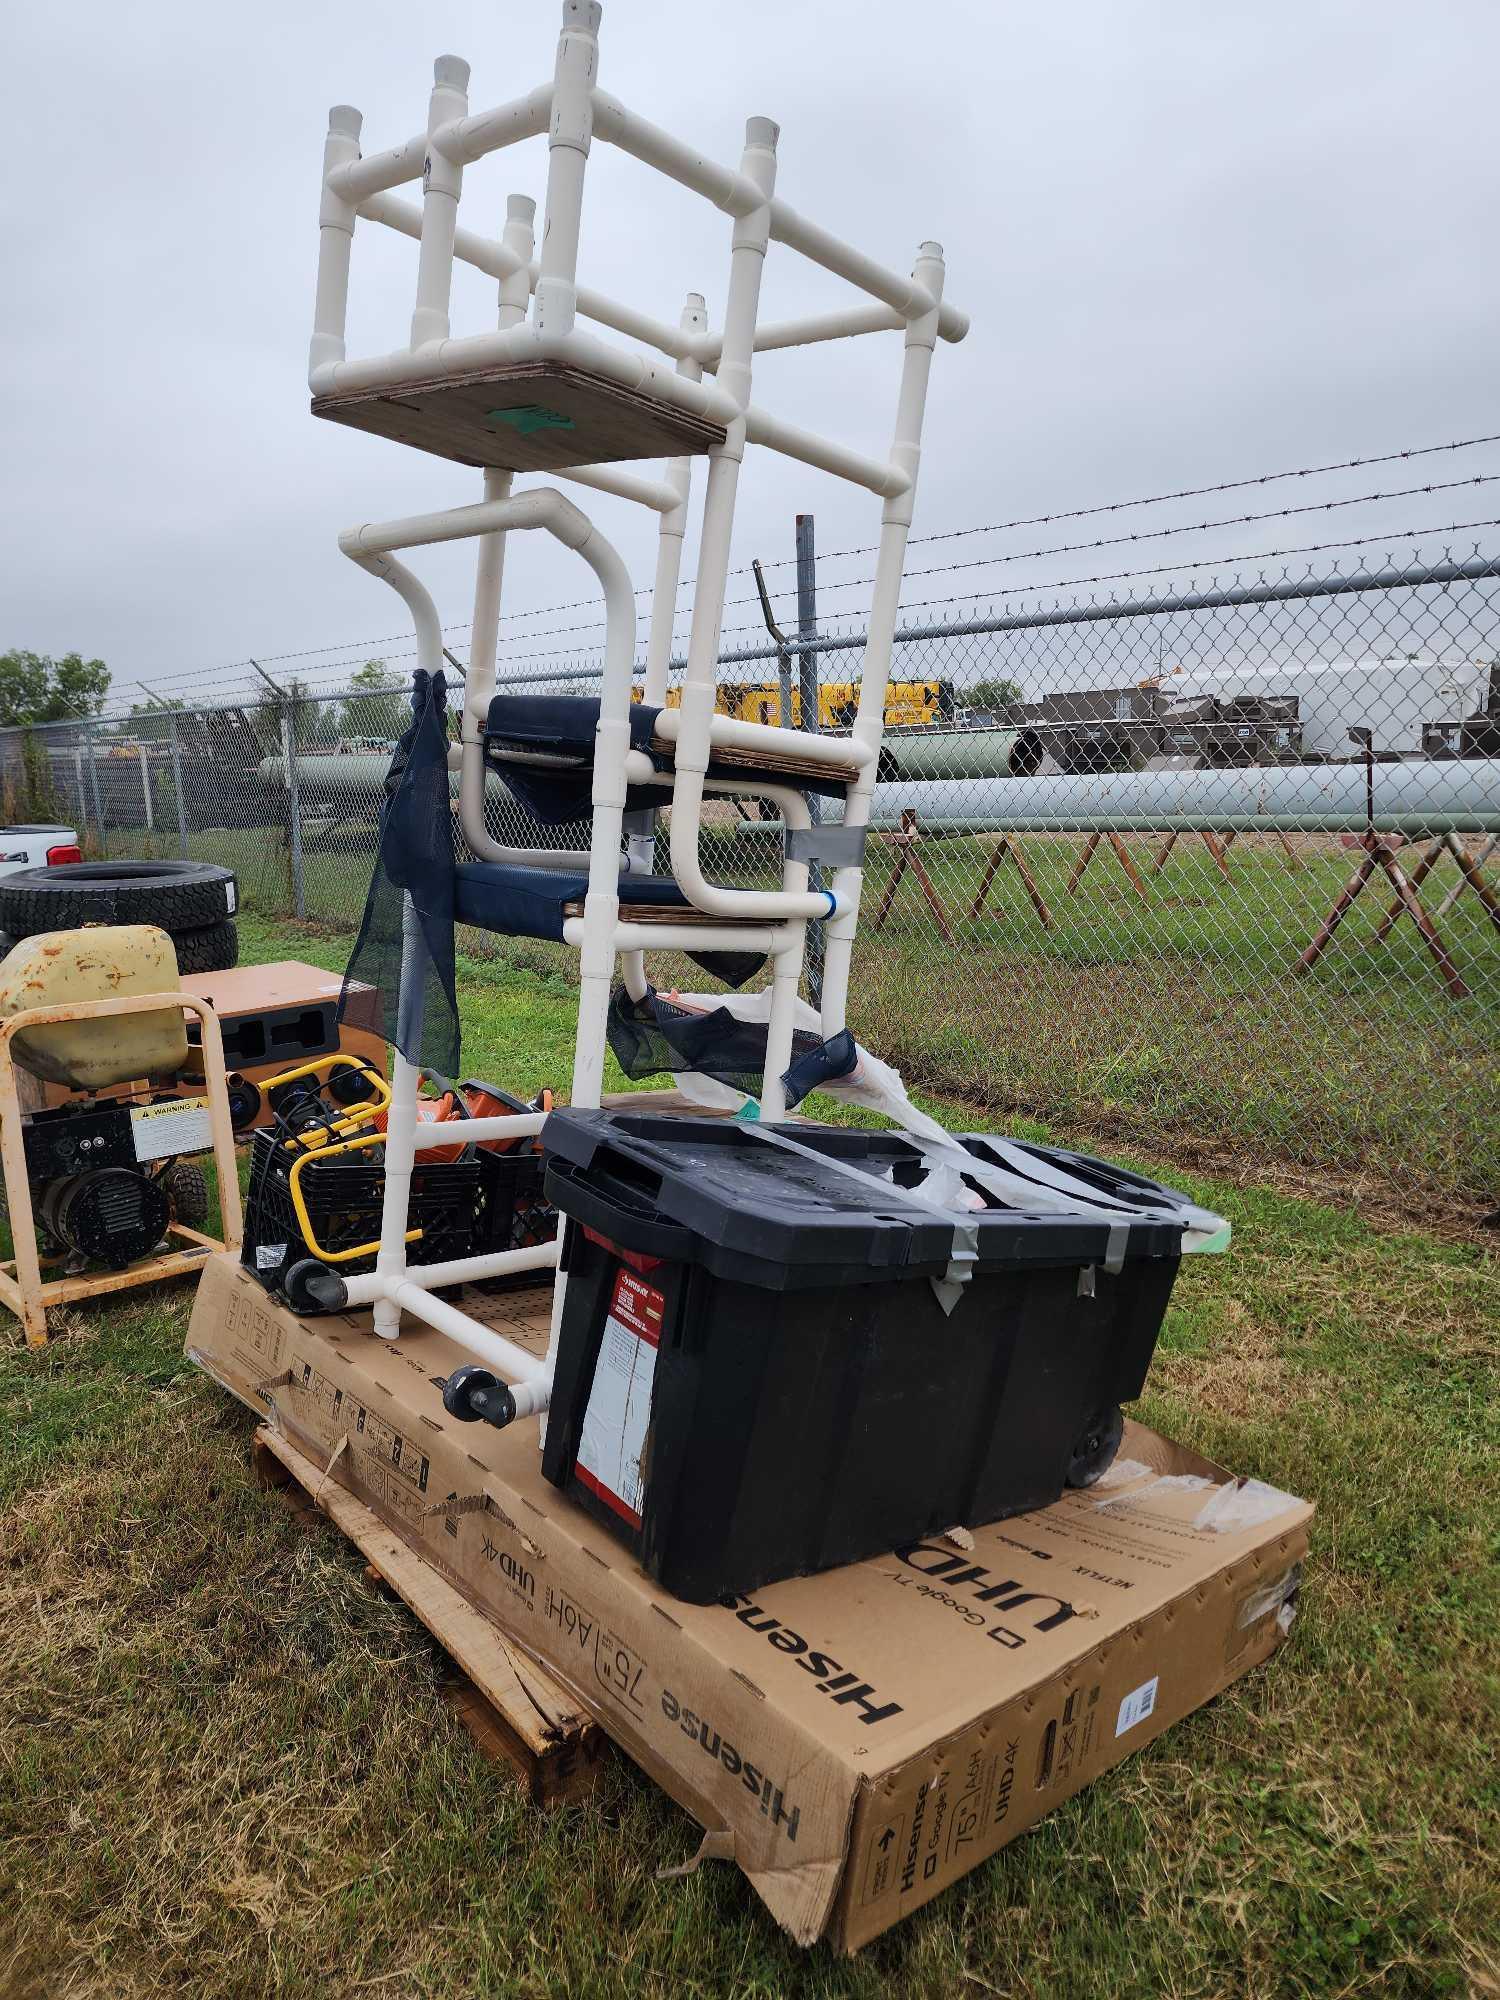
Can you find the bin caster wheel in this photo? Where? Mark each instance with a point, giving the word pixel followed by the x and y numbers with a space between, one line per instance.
pixel 474 1395
pixel 311 1287
pixel 1094 1453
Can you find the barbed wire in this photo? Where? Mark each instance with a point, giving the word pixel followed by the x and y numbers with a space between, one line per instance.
pixel 329 654
pixel 1182 493
pixel 940 535
pixel 1192 565
pixel 1014 556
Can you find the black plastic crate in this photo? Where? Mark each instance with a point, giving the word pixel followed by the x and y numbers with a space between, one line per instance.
pixel 464 1208
pixel 757 1376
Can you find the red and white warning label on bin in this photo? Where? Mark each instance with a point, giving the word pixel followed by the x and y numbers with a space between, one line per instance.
pixel 618 1416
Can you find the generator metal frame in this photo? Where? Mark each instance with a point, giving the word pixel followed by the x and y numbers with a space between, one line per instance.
pixel 611 402
pixel 23 1288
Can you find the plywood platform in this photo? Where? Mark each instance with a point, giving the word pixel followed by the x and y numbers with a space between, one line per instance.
pixel 533 416
pixel 515 1712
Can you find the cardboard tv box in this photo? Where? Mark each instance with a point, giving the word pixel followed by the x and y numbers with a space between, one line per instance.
pixel 853 1741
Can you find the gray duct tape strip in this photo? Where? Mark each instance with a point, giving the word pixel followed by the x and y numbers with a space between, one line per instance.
pixel 1062 1196
pixel 964 1249
pixel 836 846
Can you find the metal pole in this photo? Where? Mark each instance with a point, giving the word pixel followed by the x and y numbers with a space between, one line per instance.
pixel 807 622
pixel 145 757
pixel 783 657
pixel 88 740
pixel 807 666
pixel 293 810
pixel 182 822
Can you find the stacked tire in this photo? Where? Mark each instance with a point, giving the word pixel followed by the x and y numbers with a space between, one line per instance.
pixel 193 901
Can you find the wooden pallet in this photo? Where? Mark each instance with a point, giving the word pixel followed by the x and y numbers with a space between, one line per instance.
pixel 530 416
pixel 515 1712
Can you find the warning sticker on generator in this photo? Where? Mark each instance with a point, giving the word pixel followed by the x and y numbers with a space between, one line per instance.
pixel 613 1436
pixel 178 1126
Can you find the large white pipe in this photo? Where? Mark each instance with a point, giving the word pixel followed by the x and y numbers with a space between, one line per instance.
pixel 529 1375
pixel 469 140
pixel 672 530
pixel 335 242
pixel 442 183
pixel 878 475
pixel 568 137
pixel 693 721
pixel 490 255
pixel 869 721
pixel 739 194
pixel 1415 796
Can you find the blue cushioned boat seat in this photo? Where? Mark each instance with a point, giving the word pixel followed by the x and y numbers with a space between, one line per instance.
pixel 515 901
pixel 543 746
pixel 534 902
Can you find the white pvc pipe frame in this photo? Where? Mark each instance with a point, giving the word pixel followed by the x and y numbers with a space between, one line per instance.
pixel 540 301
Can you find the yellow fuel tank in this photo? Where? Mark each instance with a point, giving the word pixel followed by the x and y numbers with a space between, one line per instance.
pixel 100 962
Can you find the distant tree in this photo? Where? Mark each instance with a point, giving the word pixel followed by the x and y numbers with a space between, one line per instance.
pixel 36 688
pixel 307 713
pixel 157 706
pixel 992 694
pixel 377 702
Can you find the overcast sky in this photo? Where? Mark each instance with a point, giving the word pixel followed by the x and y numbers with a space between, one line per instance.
pixel 1197 241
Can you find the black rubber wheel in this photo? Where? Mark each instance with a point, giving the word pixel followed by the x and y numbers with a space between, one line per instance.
pixel 177 895
pixel 244 1102
pixel 310 1287
pixel 213 949
pixel 474 1395
pixel 186 1188
pixel 351 1083
pixel 1099 1440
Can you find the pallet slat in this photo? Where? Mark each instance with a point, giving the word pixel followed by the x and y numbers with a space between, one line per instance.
pixel 524 417
pixel 514 1710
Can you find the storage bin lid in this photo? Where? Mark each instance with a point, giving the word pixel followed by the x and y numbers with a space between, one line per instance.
pixel 749 1196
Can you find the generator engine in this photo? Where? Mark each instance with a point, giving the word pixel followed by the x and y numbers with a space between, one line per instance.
pixel 100 1193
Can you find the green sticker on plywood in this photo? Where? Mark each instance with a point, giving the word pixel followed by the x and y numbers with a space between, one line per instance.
pixel 529 417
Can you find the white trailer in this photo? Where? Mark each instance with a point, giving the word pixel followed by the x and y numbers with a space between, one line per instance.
pixel 1394 698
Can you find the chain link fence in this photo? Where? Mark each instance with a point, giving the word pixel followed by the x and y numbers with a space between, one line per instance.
pixel 1214 870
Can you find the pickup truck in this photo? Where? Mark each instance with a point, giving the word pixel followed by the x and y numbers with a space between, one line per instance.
pixel 37 847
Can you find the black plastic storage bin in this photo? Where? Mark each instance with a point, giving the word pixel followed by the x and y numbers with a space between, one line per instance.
pixel 756 1377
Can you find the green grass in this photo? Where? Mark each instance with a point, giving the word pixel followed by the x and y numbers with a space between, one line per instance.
pixel 226 1769
pixel 1177 1023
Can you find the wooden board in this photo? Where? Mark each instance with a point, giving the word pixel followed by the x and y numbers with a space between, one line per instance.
pixel 778 763
pixel 515 1712
pixel 670 913
pixel 571 417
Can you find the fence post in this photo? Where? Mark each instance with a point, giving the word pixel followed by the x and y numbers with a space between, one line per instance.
pixel 293 809
pixel 146 800
pixel 88 744
pixel 182 821
pixel 808 676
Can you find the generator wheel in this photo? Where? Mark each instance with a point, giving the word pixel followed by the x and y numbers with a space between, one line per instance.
pixel 186 1187
pixel 177 895
pixel 214 948
pixel 1099 1440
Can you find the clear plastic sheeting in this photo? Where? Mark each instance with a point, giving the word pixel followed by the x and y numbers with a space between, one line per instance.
pixel 1230 1506
pixel 1016 1176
